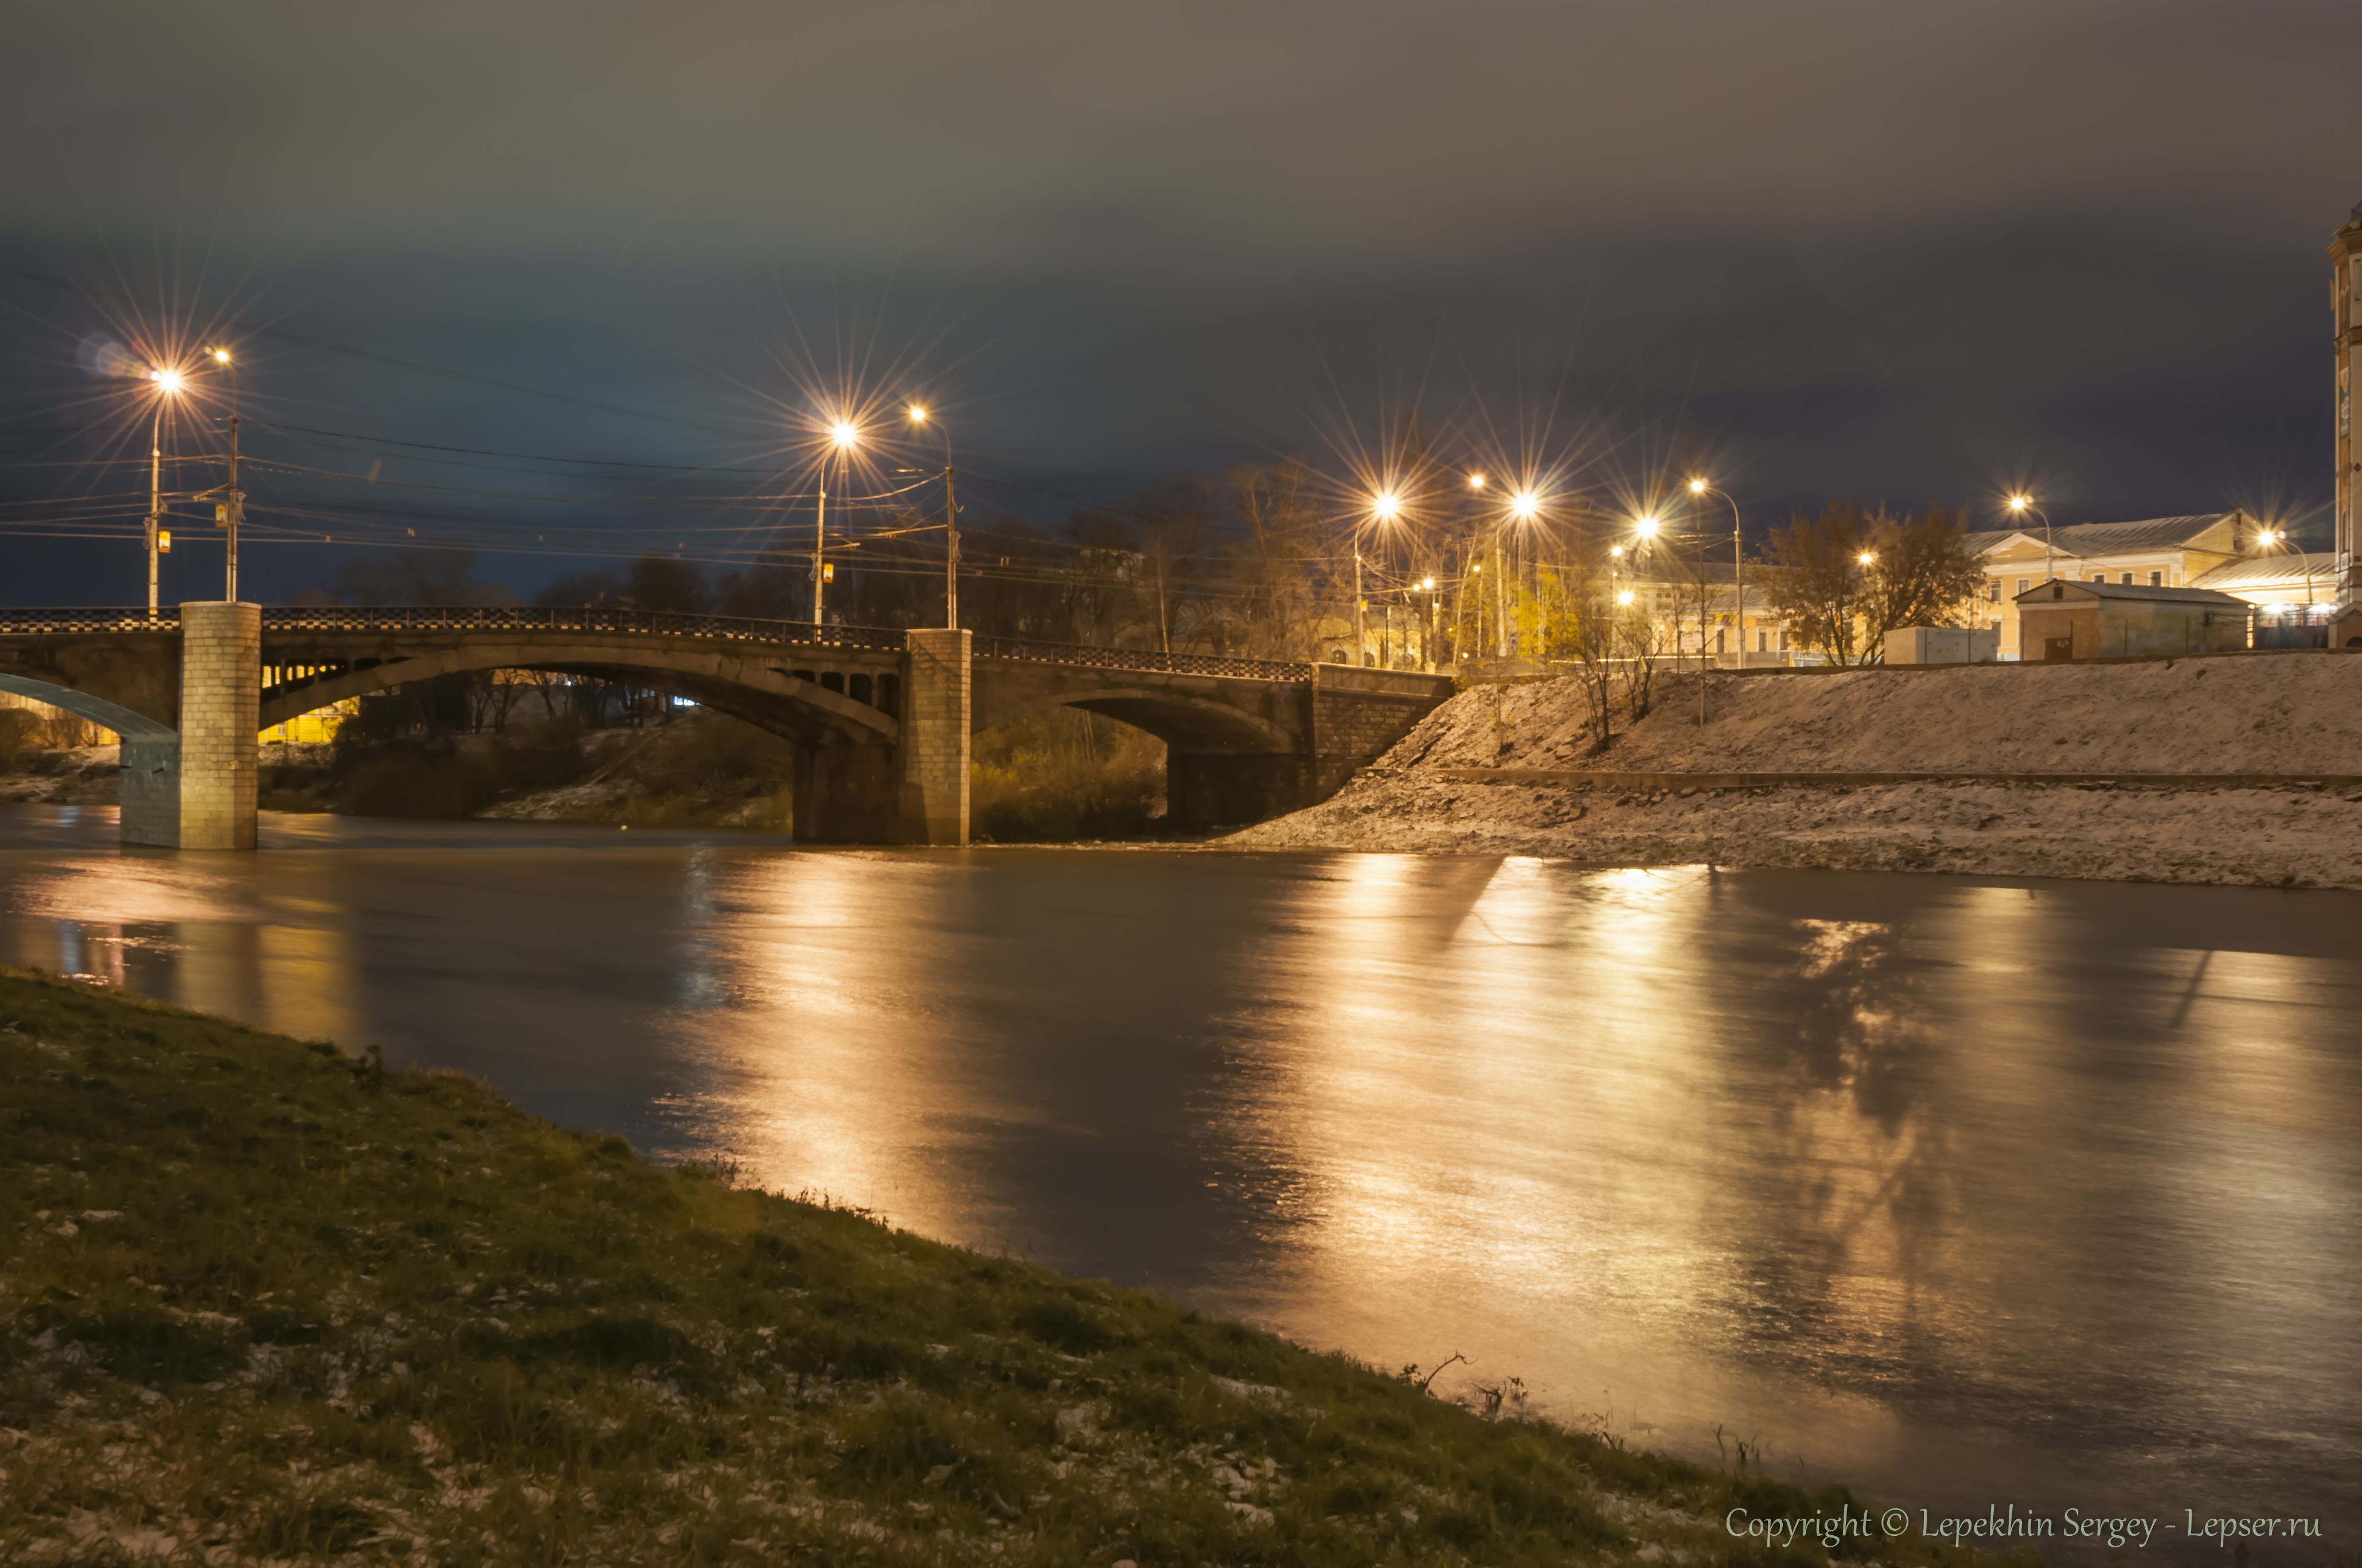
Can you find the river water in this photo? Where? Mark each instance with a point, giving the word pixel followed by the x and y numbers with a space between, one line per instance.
pixel 1963 1191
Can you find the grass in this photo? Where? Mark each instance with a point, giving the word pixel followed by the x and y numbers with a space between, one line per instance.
pixel 259 1300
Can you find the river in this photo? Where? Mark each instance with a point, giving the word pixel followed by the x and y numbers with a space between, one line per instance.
pixel 1963 1191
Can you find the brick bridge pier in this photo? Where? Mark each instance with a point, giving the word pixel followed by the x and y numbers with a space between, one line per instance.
pixel 880 719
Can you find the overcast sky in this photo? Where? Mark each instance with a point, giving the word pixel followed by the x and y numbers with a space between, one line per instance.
pixel 1907 252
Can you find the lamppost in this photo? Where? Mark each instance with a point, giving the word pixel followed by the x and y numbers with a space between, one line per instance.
pixel 845 434
pixel 1524 508
pixel 2279 536
pixel 169 383
pixel 2049 555
pixel 1385 507
pixel 1737 566
pixel 1427 642
pixel 951 523
pixel 229 502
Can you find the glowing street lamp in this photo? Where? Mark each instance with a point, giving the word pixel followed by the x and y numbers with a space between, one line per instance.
pixel 1865 558
pixel 2023 503
pixel 1476 482
pixel 2271 537
pixel 1526 506
pixel 1385 506
pixel 846 434
pixel 919 416
pixel 169 383
pixel 1703 487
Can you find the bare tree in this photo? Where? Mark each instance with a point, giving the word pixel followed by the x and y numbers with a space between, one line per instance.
pixel 1817 582
pixel 1922 573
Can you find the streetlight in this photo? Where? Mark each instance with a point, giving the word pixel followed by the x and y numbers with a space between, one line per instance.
pixel 846 434
pixel 2279 536
pixel 229 502
pixel 1865 558
pixel 2049 555
pixel 919 416
pixel 1385 506
pixel 168 384
pixel 1738 566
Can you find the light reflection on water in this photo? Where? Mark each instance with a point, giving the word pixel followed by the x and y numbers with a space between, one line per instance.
pixel 1963 1191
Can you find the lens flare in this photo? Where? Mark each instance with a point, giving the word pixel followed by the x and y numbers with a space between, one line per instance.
pixel 100 355
pixel 844 433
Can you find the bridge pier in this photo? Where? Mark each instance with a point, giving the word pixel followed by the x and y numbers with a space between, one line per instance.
pixel 937 687
pixel 221 704
pixel 195 789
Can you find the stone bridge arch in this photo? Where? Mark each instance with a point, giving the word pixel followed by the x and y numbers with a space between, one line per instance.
pixel 781 693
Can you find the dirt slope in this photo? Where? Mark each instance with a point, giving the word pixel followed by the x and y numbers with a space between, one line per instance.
pixel 2293 714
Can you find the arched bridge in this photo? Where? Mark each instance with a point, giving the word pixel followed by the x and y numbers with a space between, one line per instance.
pixel 880 719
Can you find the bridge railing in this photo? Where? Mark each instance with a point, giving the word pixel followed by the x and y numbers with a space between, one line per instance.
pixel 1148 659
pixel 110 618
pixel 652 622
pixel 600 618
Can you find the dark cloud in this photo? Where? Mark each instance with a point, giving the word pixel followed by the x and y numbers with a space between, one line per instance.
pixel 1911 250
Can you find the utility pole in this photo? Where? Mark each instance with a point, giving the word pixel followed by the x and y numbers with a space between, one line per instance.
pixel 1360 606
pixel 1163 616
pixel 155 501
pixel 951 551
pixel 228 513
pixel 820 543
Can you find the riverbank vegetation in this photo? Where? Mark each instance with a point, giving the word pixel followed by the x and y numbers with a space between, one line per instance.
pixel 261 1300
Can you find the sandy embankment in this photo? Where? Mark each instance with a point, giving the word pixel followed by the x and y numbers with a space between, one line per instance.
pixel 2294 714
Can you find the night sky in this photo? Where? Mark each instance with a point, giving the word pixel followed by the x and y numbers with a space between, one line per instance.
pixel 1908 253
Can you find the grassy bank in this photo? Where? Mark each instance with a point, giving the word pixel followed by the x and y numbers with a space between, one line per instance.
pixel 260 1299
